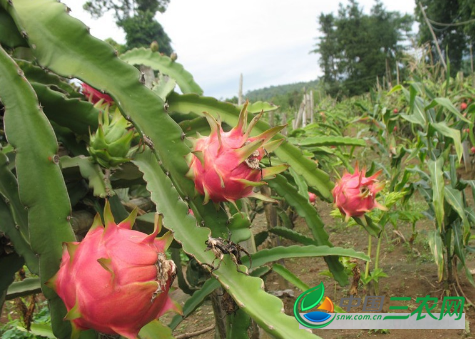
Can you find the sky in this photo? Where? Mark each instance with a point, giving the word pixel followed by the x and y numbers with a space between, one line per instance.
pixel 267 41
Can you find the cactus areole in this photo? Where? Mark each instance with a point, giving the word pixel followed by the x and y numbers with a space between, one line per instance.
pixel 354 194
pixel 116 280
pixel 225 166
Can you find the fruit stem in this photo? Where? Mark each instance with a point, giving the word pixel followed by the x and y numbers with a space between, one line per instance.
pixel 376 264
pixel 366 274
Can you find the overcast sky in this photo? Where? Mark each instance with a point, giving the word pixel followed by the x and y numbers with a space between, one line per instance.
pixel 268 41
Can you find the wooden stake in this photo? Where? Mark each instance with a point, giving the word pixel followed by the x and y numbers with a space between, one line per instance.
pixel 299 116
pixel 284 122
pixel 397 73
pixel 311 108
pixel 433 36
pixel 471 64
pixel 271 119
pixel 388 74
pixel 240 101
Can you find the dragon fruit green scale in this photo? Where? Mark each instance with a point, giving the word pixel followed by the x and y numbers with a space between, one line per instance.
pixel 355 194
pixel 116 280
pixel 110 145
pixel 225 166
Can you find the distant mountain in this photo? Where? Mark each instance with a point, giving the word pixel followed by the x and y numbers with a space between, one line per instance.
pixel 272 92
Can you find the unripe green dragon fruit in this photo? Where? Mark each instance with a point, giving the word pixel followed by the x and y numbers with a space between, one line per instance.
pixel 110 145
pixel 116 280
pixel 354 194
pixel 154 46
pixel 225 166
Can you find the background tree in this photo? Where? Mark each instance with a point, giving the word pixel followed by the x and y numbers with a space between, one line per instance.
pixel 329 52
pixel 453 25
pixel 142 29
pixel 355 48
pixel 137 19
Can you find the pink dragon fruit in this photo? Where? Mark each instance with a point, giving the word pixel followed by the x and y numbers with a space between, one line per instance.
pixel 116 280
pixel 225 165
pixel 355 194
pixel 312 197
pixel 94 96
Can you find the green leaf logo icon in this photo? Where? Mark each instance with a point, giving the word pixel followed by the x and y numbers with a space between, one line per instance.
pixel 312 297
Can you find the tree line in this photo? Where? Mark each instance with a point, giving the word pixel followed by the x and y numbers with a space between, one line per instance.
pixel 355 48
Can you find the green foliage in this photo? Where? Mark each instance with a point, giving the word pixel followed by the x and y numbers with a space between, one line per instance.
pixel 454 27
pixel 14 217
pixel 40 326
pixel 155 329
pixel 290 277
pixel 30 133
pixel 124 9
pixel 9 35
pixel 118 47
pixel 303 207
pixel 25 287
pixel 166 66
pixel 141 29
pixel 136 18
pixel 355 48
pixel 435 139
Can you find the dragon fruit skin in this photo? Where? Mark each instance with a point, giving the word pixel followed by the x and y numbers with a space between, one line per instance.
pixel 94 96
pixel 116 280
pixel 355 194
pixel 225 165
pixel 110 145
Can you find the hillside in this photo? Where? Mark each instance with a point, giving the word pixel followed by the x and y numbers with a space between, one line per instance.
pixel 270 93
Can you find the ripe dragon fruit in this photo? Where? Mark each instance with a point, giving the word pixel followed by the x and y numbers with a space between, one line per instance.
pixel 355 194
pixel 225 165
pixel 94 96
pixel 116 280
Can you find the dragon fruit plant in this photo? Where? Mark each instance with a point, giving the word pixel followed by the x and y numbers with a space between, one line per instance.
pixel 225 166
pixel 54 135
pixel 116 280
pixel 355 194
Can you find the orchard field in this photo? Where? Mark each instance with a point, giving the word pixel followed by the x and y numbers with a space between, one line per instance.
pixel 132 205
